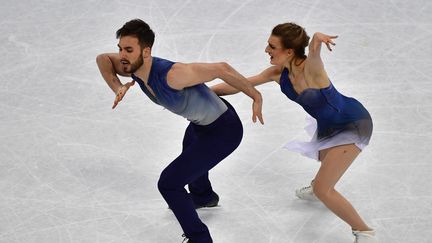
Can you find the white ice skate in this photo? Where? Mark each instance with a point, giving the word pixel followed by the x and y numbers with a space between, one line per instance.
pixel 306 193
pixel 364 236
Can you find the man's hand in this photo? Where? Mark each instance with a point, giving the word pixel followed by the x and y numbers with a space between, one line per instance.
pixel 121 92
pixel 256 108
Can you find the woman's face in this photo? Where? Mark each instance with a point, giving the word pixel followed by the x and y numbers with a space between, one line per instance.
pixel 278 54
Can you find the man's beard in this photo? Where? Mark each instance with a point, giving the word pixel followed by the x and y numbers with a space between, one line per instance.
pixel 134 66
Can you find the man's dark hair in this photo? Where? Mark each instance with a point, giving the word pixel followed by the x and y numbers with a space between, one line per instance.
pixel 139 29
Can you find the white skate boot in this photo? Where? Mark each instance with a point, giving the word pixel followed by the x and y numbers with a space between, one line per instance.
pixel 306 193
pixel 364 236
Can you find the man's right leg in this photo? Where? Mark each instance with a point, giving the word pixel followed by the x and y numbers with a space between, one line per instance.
pixel 171 185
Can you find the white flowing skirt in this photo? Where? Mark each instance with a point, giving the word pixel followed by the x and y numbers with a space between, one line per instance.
pixel 349 136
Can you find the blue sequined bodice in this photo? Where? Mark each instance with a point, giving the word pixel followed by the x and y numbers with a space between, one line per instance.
pixel 331 109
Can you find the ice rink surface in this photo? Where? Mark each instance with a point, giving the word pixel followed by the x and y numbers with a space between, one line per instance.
pixel 74 171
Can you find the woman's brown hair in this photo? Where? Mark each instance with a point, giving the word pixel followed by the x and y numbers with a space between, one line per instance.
pixel 292 36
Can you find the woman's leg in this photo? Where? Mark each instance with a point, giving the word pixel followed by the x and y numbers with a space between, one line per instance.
pixel 334 162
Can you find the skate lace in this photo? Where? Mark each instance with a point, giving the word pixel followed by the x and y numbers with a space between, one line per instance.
pixel 305 188
pixel 356 237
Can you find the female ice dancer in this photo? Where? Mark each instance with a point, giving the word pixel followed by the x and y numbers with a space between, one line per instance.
pixel 344 126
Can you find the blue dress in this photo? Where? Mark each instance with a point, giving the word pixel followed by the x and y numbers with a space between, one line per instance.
pixel 339 119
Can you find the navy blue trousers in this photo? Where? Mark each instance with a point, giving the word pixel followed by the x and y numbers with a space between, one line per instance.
pixel 203 148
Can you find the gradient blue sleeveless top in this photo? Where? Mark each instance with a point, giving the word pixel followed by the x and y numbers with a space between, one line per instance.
pixel 331 109
pixel 198 103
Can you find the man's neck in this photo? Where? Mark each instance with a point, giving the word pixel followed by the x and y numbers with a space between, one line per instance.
pixel 144 71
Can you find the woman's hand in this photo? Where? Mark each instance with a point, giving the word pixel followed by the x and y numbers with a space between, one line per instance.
pixel 326 39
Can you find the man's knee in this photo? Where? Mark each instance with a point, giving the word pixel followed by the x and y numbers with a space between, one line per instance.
pixel 168 182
